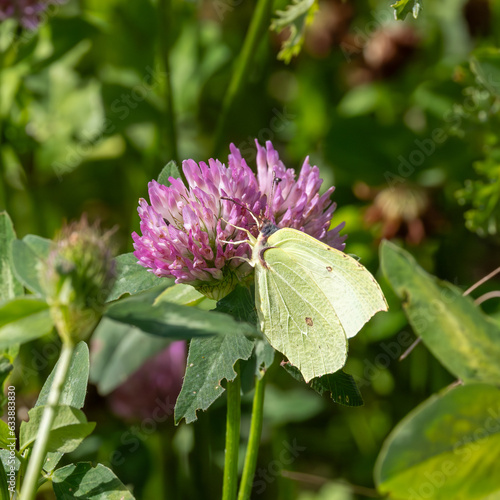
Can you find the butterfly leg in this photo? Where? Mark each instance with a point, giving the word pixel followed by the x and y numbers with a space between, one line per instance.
pixel 251 238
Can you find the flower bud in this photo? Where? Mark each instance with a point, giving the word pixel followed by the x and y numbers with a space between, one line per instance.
pixel 77 278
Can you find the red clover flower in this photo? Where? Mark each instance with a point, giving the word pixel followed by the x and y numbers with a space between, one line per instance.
pixel 185 230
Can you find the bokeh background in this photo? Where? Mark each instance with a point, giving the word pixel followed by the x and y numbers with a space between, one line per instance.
pixel 96 97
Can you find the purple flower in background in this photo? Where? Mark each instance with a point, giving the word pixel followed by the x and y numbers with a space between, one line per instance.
pixel 185 229
pixel 27 12
pixel 152 390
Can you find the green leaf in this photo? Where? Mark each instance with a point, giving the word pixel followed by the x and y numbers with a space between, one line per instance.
pixel 181 294
pixel 174 321
pixel 210 361
pixel 69 429
pixel 7 462
pixel 340 386
pixel 297 16
pixel 4 487
pixel 118 350
pixel 73 391
pixel 447 447
pixel 5 435
pixel 10 286
pixel 132 278
pixel 81 481
pixel 75 386
pixel 7 357
pixel 485 64
pixel 240 304
pixel 169 170
pixel 26 255
pixel 404 7
pixel 465 340
pixel 23 319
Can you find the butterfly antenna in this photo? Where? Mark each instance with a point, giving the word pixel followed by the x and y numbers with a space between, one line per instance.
pixel 242 205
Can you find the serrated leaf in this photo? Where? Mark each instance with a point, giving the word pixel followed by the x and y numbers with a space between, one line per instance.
pixel 84 482
pixel 404 7
pixel 210 361
pixel 340 386
pixel 23 319
pixel 10 286
pixel 132 278
pixel 69 429
pixel 73 391
pixel 26 256
pixel 174 321
pixel 169 170
pixel 461 337
pixel 296 17
pixel 451 442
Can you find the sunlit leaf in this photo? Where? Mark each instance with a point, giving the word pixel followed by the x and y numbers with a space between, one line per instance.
pixel 446 448
pixel 10 286
pixel 84 481
pixel 23 319
pixel 404 7
pixel 296 17
pixel 69 429
pixel 465 340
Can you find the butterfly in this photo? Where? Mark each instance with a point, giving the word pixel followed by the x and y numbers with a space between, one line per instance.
pixel 310 298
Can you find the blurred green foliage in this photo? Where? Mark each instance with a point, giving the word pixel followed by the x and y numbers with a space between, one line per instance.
pixel 383 107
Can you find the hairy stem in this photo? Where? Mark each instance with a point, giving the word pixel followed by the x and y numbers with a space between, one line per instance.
pixel 30 484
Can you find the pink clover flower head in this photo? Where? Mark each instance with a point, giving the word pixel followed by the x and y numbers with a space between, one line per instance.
pixel 296 202
pixel 185 229
pixel 188 231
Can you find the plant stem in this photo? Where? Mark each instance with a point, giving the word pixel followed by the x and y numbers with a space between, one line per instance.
pixel 258 25
pixel 165 35
pixel 230 482
pixel 30 484
pixel 253 440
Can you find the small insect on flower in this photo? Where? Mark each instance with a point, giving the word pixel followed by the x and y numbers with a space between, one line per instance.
pixel 188 232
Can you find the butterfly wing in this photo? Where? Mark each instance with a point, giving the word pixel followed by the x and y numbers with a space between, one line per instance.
pixel 294 318
pixel 348 286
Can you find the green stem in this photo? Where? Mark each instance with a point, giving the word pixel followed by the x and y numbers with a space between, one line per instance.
pixel 258 25
pixel 165 34
pixel 253 440
pixel 230 482
pixel 30 484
